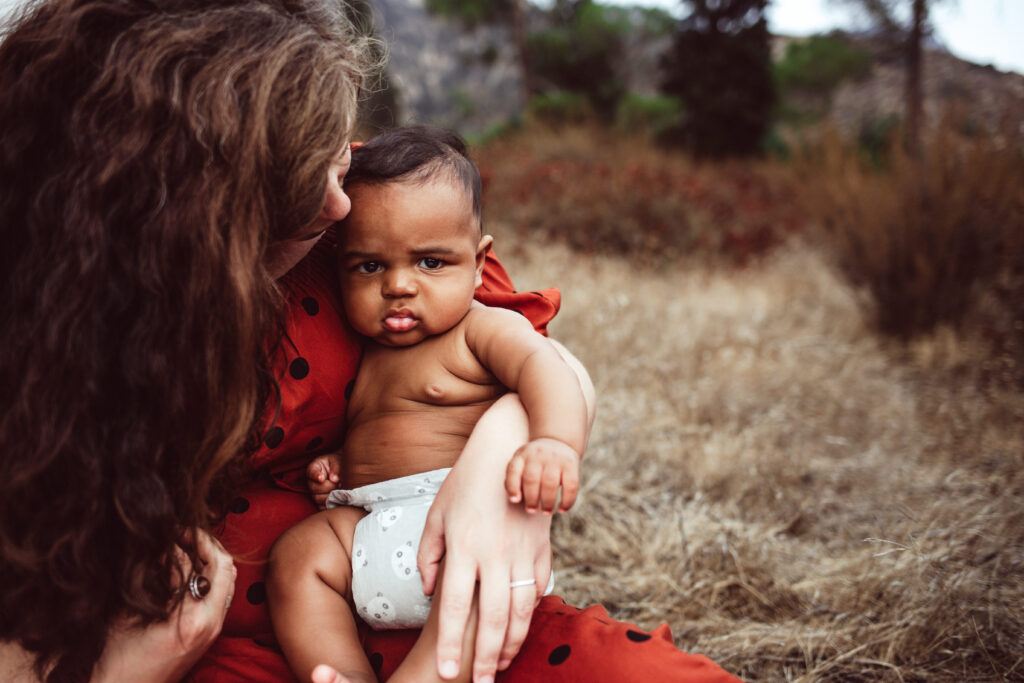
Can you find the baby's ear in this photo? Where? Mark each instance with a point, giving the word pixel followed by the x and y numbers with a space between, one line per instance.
pixel 481 256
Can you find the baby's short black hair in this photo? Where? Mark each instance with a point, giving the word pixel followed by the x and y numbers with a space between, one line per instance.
pixel 415 154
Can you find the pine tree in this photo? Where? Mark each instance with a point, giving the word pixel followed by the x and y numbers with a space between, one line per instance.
pixel 720 67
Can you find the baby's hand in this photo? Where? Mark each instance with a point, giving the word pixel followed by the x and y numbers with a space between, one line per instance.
pixel 537 470
pixel 322 477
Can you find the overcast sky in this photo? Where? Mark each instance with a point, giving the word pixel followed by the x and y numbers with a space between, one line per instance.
pixel 982 31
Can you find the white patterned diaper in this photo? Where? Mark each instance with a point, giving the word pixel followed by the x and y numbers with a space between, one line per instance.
pixel 386 585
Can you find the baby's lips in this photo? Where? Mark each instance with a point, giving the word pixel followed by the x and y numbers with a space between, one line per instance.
pixel 399 322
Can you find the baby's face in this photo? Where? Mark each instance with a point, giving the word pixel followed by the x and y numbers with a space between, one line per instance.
pixel 409 258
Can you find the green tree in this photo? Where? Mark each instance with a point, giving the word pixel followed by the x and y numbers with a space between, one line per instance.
pixel 580 53
pixel 719 65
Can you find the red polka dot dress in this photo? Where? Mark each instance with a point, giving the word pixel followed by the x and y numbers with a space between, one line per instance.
pixel 316 366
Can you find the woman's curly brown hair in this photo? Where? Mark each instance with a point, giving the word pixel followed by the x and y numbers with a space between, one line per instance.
pixel 151 151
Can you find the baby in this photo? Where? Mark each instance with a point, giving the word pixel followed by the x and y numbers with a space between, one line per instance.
pixel 410 255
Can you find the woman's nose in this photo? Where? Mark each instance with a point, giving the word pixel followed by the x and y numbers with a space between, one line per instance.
pixel 336 202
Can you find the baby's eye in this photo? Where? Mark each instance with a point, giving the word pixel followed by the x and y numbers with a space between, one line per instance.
pixel 431 263
pixel 368 267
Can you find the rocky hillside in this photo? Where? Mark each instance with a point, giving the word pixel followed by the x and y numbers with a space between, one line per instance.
pixel 987 98
pixel 444 74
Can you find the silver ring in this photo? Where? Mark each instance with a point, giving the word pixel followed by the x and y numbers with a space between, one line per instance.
pixel 198 586
pixel 524 582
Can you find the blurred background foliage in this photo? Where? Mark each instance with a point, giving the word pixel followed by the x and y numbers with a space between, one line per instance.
pixel 703 136
pixel 803 308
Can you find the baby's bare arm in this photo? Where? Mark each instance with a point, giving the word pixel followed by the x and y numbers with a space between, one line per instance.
pixel 551 392
pixel 530 365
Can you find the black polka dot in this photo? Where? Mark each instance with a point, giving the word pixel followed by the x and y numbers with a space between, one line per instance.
pixel 636 636
pixel 239 505
pixel 274 437
pixel 257 593
pixel 299 368
pixel 376 661
pixel 314 443
pixel 348 390
pixel 559 655
pixel 537 294
pixel 311 305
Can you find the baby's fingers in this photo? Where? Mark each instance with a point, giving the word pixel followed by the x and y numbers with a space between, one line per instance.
pixel 532 480
pixel 317 471
pixel 514 478
pixel 570 488
pixel 549 483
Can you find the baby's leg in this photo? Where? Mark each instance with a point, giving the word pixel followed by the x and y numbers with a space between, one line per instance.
pixel 309 589
pixel 420 665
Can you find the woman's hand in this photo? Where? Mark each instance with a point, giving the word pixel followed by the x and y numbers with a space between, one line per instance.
pixel 485 538
pixel 165 651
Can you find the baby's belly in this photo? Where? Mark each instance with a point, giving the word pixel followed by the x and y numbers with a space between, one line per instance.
pixel 398 444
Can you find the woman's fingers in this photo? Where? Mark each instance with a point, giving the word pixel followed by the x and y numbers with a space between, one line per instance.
pixel 522 601
pixel 493 621
pixel 432 549
pixel 456 602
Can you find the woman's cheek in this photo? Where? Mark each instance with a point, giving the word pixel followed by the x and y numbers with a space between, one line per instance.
pixel 284 256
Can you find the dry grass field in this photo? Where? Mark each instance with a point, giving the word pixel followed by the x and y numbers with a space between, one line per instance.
pixel 798 498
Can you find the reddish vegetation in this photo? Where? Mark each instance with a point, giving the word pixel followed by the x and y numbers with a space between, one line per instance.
pixel 933 242
pixel 635 200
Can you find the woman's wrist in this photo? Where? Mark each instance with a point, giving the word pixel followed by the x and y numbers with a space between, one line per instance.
pixel 497 434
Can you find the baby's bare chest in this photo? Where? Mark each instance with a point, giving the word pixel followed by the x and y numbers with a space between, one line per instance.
pixel 435 372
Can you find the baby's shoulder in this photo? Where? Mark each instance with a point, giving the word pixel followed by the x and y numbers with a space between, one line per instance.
pixel 483 318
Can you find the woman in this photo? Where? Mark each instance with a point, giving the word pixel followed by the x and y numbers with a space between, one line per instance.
pixel 163 163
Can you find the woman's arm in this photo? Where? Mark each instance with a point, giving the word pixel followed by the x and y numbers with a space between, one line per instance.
pixel 162 652
pixel 589 395
pixel 485 538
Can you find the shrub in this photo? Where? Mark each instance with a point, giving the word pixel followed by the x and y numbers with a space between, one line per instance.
pixel 582 54
pixel 820 63
pixel 878 137
pixel 559 108
pixel 648 115
pixel 921 235
pixel 598 191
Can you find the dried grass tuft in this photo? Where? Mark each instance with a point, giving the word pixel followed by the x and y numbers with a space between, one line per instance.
pixel 798 498
pixel 922 233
